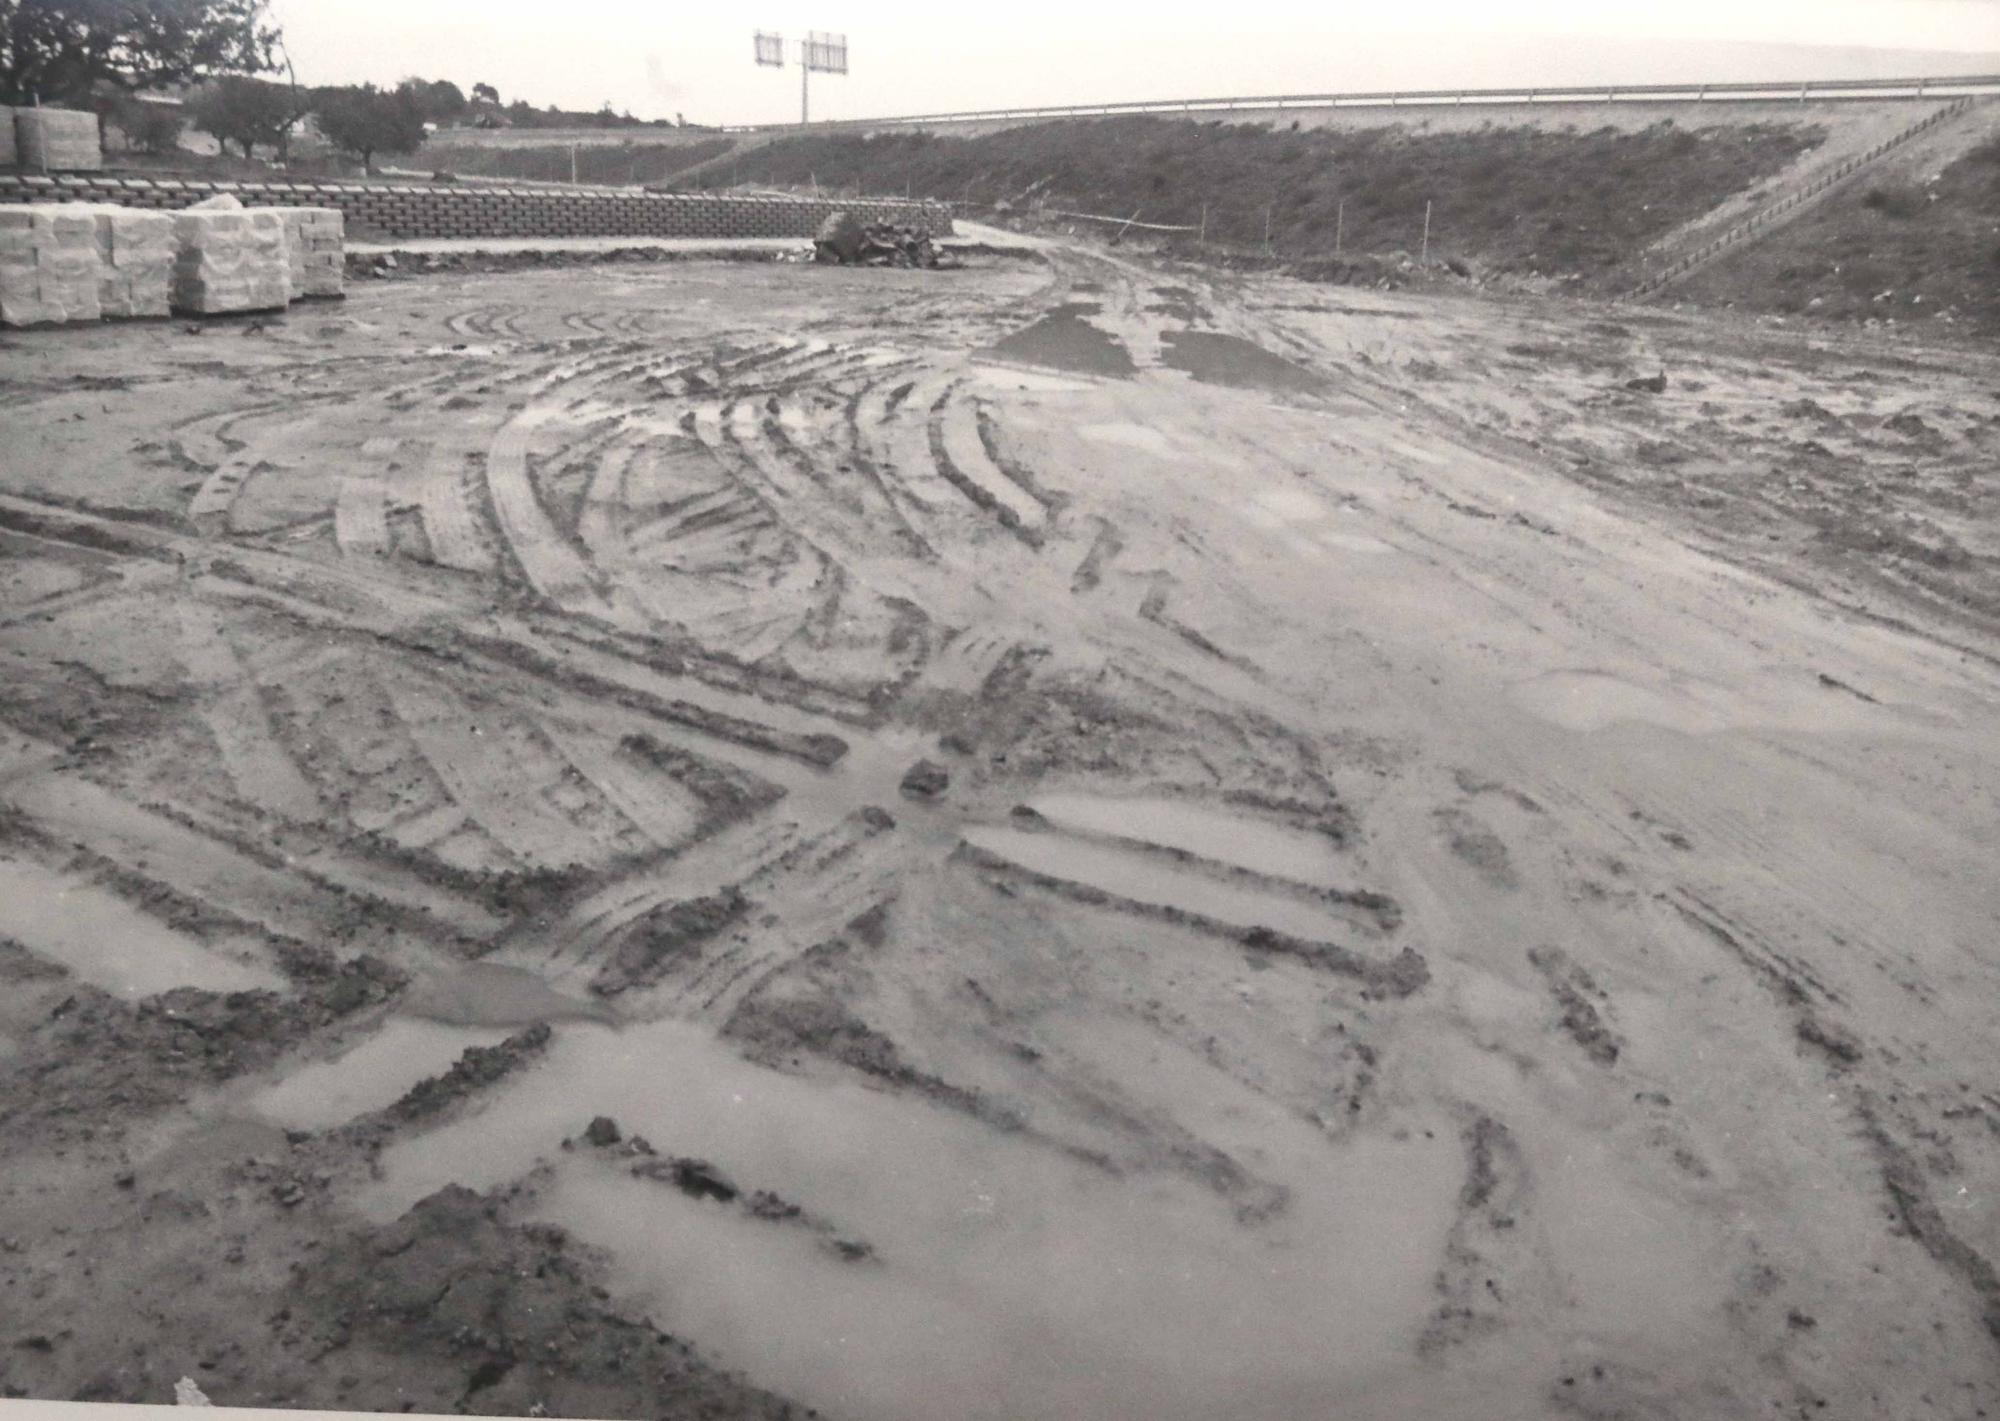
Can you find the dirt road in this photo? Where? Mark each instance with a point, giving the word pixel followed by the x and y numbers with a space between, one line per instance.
pixel 1438 883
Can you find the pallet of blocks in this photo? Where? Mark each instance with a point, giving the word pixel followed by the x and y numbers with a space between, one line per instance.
pixel 229 259
pixel 48 265
pixel 135 259
pixel 316 239
pixel 57 140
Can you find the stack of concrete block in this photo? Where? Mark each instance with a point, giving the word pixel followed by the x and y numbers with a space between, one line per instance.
pixel 57 140
pixel 230 259
pixel 316 242
pixel 48 265
pixel 135 259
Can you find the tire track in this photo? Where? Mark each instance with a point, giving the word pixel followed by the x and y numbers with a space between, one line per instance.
pixel 495 786
pixel 444 499
pixel 960 449
pixel 552 566
pixel 666 822
pixel 261 771
pixel 361 517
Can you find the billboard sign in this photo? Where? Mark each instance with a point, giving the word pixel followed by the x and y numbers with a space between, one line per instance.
pixel 827 53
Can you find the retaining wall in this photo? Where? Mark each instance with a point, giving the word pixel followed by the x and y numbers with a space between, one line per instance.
pixel 408 211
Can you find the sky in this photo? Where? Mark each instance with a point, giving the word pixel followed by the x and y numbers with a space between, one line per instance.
pixel 657 60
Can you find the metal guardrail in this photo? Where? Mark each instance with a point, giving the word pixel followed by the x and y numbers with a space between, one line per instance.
pixel 1831 178
pixel 1929 87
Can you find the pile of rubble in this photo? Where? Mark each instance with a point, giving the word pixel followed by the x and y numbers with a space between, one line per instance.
pixel 846 241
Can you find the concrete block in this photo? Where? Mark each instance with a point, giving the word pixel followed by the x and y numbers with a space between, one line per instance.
pixel 57 140
pixel 228 261
pixel 315 244
pixel 48 265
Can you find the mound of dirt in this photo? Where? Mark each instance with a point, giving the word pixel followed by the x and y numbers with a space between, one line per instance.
pixel 97 1059
pixel 498 1318
pixel 665 934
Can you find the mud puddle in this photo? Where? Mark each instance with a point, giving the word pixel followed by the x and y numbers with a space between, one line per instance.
pixel 1262 847
pixel 492 994
pixel 1127 436
pixel 373 1075
pixel 1218 359
pixel 1132 875
pixel 107 942
pixel 984 1248
pixel 1064 340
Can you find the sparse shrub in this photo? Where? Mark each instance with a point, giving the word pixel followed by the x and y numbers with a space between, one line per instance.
pixel 1899 202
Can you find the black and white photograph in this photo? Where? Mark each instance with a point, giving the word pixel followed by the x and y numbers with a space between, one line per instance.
pixel 966 712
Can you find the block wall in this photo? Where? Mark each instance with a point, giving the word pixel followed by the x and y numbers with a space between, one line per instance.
pixel 382 211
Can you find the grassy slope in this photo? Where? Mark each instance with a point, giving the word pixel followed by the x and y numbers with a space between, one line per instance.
pixel 1510 199
pixel 635 162
pixel 1933 246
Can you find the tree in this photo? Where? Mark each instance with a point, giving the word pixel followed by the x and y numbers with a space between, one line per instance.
pixel 364 121
pixel 147 127
pixel 485 93
pixel 59 51
pixel 244 111
pixel 438 100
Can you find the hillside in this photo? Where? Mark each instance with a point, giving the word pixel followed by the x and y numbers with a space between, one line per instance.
pixel 637 160
pixel 1917 241
pixel 1515 200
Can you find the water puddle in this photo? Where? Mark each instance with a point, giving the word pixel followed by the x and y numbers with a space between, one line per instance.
pixel 1064 340
pixel 1255 844
pixel 107 942
pixel 374 1074
pixel 1133 875
pixel 1218 359
pixel 1008 1280
pixel 494 994
pixel 1593 700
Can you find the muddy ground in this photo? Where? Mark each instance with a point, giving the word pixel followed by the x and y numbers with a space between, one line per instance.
pixel 1058 839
